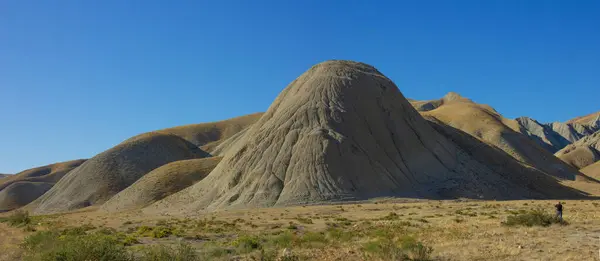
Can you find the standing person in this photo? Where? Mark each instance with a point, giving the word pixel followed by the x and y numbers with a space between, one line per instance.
pixel 559 210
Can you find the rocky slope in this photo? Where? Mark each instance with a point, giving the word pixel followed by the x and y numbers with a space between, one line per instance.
pixel 583 152
pixel 557 135
pixel 343 131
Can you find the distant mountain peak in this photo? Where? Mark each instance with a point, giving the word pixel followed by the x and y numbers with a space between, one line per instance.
pixel 452 96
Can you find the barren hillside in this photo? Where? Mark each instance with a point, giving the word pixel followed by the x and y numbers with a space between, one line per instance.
pixel 111 171
pixel 161 182
pixel 343 131
pixel 592 170
pixel 209 135
pixel 20 189
pixel 485 123
pixel 582 152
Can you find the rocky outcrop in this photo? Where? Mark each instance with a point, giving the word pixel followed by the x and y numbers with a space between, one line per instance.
pixel 557 135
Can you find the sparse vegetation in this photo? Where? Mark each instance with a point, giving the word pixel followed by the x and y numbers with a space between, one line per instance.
pixel 536 217
pixel 53 245
pixel 304 220
pixel 178 252
pixel 17 219
pixel 384 235
pixel 397 248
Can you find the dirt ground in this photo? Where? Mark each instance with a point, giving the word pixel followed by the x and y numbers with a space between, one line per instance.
pixel 456 230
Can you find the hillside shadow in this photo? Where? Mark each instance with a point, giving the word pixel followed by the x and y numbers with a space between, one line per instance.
pixel 509 168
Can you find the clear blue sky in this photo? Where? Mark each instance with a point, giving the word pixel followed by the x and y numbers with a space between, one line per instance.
pixel 78 77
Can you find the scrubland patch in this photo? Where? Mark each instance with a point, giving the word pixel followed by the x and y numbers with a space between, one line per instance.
pixel 437 230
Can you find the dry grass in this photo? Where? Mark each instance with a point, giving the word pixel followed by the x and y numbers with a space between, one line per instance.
pixel 455 230
pixel 486 124
pixel 592 170
pixel 49 173
pixel 210 134
pixel 20 189
pixel 161 182
pixel 585 119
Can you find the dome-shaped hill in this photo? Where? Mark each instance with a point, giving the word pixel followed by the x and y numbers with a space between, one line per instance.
pixel 433 104
pixel 21 193
pixel 209 135
pixel 592 119
pixel 583 152
pixel 161 182
pixel 111 171
pixel 49 173
pixel 20 189
pixel 488 125
pixel 343 131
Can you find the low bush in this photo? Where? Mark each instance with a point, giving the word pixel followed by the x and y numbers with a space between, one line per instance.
pixel 51 246
pixel 402 248
pixel 18 219
pixel 536 217
pixel 179 252
pixel 161 232
pixel 73 245
pixel 247 244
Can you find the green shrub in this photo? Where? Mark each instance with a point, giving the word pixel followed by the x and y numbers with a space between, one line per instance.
pixel 51 245
pixel 415 250
pixel 339 235
pixel 144 231
pixel 107 231
pixel 161 231
pixel 40 238
pixel 391 216
pixel 247 243
pixel 284 240
pixel 180 252
pixel 390 247
pixel 129 240
pixel 313 239
pixel 304 220
pixel 292 226
pixel 536 217
pixel 18 219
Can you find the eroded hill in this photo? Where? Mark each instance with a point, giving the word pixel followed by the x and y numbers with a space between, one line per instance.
pixel 343 131
pixel 111 171
pixel 20 189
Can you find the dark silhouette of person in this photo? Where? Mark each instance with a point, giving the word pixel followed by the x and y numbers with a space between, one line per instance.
pixel 559 211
